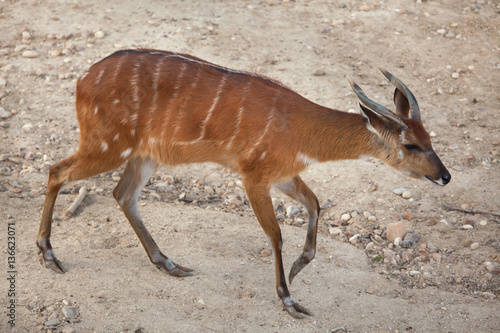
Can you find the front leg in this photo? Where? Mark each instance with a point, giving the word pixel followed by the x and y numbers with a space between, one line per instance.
pixel 258 194
pixel 298 190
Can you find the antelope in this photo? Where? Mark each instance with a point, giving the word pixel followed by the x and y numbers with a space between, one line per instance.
pixel 150 107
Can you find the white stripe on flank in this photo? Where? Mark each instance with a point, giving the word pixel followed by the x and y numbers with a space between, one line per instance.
pixel 99 77
pixel 168 112
pixel 177 121
pixel 212 108
pixel 126 153
pixel 270 119
pixel 239 117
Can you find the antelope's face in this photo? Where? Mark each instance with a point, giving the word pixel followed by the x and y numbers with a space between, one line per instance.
pixel 401 138
pixel 411 153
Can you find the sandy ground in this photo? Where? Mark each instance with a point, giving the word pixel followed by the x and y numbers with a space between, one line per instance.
pixel 446 51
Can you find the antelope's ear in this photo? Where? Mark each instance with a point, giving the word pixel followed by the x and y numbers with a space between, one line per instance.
pixel 402 104
pixel 373 122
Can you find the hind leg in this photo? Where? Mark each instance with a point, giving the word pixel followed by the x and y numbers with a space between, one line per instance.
pixel 73 168
pixel 135 176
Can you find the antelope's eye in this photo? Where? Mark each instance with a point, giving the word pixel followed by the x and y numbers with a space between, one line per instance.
pixel 412 148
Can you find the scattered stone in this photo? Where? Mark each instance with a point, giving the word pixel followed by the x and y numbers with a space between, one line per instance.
pixel 395 230
pixel 355 237
pixel 68 312
pixel 399 191
pixel 398 241
pixel 291 210
pixel 99 34
pixel 467 226
pixel 483 222
pixel 366 214
pixel 407 255
pixel 371 290
pixel 37 329
pixel 487 294
pixel 209 190
pixel 474 246
pixel 54 315
pixel 30 54
pixel 235 199
pixel 442 31
pixel 27 128
pixel 337 223
pixel 319 72
pixel 391 260
pixel 116 176
pixel 437 257
pixel 335 231
pixel 345 217
pixel 372 218
pixel 168 178
pixel 4 114
pixel 431 222
pixel 68 329
pixel 327 204
pixel 495 270
pixel 406 195
pixel 3 82
pixel 465 222
pixel 52 322
pixel 495 143
pixel 266 253
pixel 412 237
pixel 455 75
pixel 239 183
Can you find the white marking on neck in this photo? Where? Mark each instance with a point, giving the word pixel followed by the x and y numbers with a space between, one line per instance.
pixel 126 153
pixel 104 146
pixel 306 160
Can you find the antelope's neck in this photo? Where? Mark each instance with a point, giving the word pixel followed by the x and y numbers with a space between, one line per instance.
pixel 330 135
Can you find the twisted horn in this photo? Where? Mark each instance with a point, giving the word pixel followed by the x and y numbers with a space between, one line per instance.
pixel 414 109
pixel 377 108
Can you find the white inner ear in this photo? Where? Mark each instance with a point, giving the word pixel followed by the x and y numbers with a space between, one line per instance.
pixel 368 124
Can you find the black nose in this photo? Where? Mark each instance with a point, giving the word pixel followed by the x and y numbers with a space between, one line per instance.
pixel 446 178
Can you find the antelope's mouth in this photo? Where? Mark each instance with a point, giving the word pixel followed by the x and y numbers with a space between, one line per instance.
pixel 440 181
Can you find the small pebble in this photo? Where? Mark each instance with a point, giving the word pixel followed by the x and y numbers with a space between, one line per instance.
pixel 319 72
pixel 116 176
pixel 483 222
pixel 455 75
pixel 291 210
pixel 474 246
pixel 99 34
pixel 30 54
pixel 68 312
pixel 372 218
pixel 335 231
pixel 406 195
pixel 52 322
pixel 395 230
pixel 398 241
pixel 345 217
pixel 467 226
pixel 68 329
pixel 27 128
pixel 399 191
pixel 4 114
pixel 235 199
pixel 266 253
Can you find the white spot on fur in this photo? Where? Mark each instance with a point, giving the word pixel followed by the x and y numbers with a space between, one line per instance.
pixel 116 137
pixel 104 146
pixel 126 153
pixel 400 154
pixel 96 109
pixel 116 101
pixel 304 159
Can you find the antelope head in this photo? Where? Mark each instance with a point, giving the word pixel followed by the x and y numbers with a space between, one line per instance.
pixel 405 144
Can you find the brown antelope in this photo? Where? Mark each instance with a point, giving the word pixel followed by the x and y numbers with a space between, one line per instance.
pixel 149 107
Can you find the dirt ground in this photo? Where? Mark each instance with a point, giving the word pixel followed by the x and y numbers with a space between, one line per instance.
pixel 447 281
